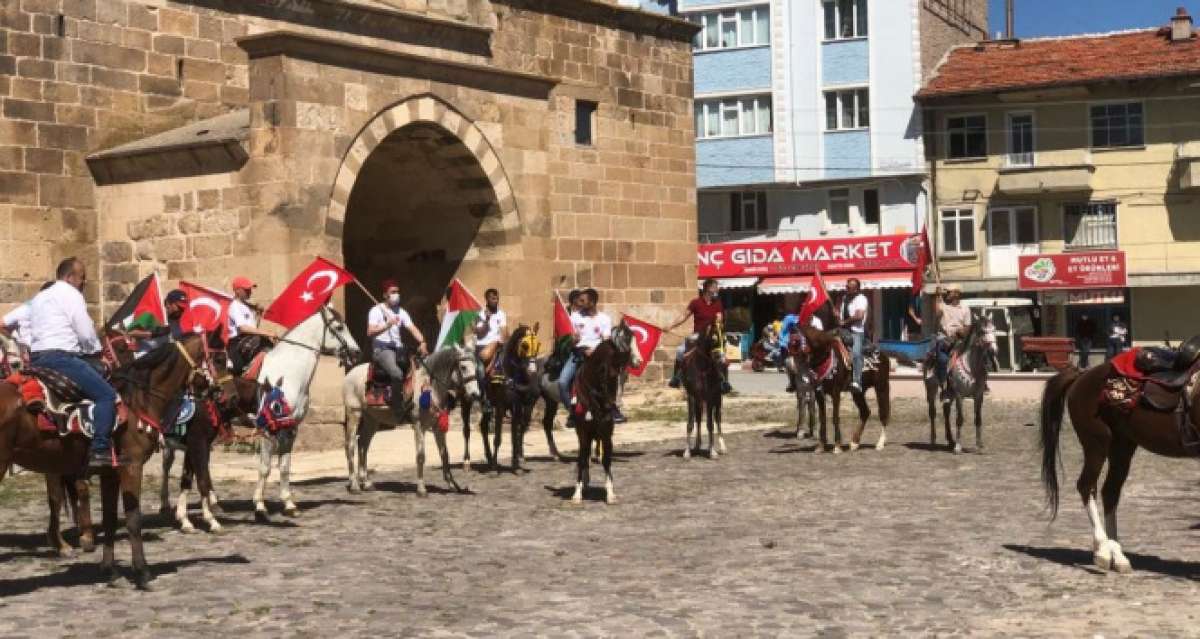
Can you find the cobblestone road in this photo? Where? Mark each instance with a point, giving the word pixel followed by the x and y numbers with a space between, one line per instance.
pixel 769 540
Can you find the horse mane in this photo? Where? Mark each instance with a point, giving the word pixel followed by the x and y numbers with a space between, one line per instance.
pixel 442 359
pixel 514 340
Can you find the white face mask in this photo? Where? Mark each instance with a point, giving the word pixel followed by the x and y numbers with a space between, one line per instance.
pixel 394 299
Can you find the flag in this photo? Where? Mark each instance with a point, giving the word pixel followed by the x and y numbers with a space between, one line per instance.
pixel 307 293
pixel 562 319
pixel 145 298
pixel 817 297
pixel 462 310
pixel 647 336
pixel 207 310
pixel 924 257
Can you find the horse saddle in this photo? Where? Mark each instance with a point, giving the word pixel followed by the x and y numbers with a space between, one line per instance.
pixel 379 387
pixel 55 400
pixel 255 366
pixel 177 432
pixel 1152 377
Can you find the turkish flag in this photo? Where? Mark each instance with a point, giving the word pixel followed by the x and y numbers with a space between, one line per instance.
pixel 207 310
pixel 311 290
pixel 924 257
pixel 647 336
pixel 817 297
pixel 562 319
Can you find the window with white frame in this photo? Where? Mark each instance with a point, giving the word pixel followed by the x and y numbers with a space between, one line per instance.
pixel 967 137
pixel 839 207
pixel 748 211
pixel 733 116
pixel 958 231
pixel 845 19
pixel 1117 124
pixel 732 28
pixel 1020 139
pixel 1090 225
pixel 848 109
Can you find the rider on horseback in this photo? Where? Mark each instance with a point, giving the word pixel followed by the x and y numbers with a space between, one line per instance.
pixel 384 322
pixel 954 320
pixel 704 310
pixel 246 338
pixel 854 320
pixel 62 334
pixel 493 331
pixel 591 328
pixel 16 324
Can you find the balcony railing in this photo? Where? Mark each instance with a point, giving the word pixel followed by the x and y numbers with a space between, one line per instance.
pixel 1094 225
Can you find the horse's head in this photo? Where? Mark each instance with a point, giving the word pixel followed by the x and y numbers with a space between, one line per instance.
pixel 336 339
pixel 623 340
pixel 464 374
pixel 524 347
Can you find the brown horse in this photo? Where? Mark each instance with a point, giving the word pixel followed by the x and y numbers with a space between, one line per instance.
pixel 597 384
pixel 513 393
pixel 702 381
pixel 1112 434
pixel 824 363
pixel 145 388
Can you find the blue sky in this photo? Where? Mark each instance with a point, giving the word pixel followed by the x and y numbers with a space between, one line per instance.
pixel 1061 17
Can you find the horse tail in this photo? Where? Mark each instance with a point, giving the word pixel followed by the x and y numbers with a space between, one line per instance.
pixel 1054 398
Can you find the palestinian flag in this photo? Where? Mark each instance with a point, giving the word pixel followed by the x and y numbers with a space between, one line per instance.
pixel 564 330
pixel 146 298
pixel 462 311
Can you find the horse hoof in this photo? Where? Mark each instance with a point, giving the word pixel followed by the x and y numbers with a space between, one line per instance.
pixel 291 511
pixel 87 545
pixel 1122 565
pixel 837 449
pixel 687 453
pixel 142 581
pixel 577 499
pixel 216 529
pixel 713 454
pixel 610 499
pixel 65 552
pixel 109 576
pixel 880 444
pixel 467 465
pixel 262 517
pixel 1103 561
pixel 853 446
pixel 188 529
pixel 353 490
pixel 368 487
pixel 422 493
pixel 819 449
pixel 958 449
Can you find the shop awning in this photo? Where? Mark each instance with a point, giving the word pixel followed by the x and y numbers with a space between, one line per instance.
pixel 799 283
pixel 733 282
pixel 784 285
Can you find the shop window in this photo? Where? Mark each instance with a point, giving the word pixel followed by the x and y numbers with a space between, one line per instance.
pixel 839 207
pixel 870 212
pixel 958 231
pixel 748 211
pixel 967 137
pixel 1090 225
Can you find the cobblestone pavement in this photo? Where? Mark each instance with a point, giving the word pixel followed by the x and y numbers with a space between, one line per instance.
pixel 768 540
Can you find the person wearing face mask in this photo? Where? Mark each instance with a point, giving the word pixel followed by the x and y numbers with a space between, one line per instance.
pixel 62 334
pixel 246 338
pixel 384 322
pixel 704 310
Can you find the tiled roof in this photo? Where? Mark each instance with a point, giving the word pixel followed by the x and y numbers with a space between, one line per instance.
pixel 1032 64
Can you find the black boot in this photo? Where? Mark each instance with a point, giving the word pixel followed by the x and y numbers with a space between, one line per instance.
pixel 675 381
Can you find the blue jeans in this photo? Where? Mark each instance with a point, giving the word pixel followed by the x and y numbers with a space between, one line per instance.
pixel 94 388
pixel 942 344
pixel 856 353
pixel 567 376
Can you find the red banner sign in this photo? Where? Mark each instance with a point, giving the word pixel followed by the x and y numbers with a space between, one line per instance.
pixel 838 255
pixel 1072 270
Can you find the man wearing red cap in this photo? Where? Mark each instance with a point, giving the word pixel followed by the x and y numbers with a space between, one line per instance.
pixel 384 322
pixel 246 339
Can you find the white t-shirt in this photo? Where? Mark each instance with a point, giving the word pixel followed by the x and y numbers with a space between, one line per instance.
pixel 495 323
pixel 59 321
pixel 816 323
pixel 592 329
pixel 859 303
pixel 391 337
pixel 17 320
pixel 240 315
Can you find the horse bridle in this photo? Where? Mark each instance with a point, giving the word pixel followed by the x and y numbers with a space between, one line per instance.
pixel 343 349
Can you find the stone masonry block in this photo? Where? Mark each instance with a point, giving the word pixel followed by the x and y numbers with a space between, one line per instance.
pixel 117 252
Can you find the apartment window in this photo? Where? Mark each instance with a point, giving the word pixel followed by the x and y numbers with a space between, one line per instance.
pixel 839 207
pixel 732 28
pixel 870 211
pixel 958 231
pixel 1090 225
pixel 748 211
pixel 845 19
pixel 585 117
pixel 1020 139
pixel 968 136
pixel 849 109
pixel 1117 125
pixel 735 116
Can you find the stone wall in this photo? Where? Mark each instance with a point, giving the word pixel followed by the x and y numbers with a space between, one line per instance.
pixel 947 23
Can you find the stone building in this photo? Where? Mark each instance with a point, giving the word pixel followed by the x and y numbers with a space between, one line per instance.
pixel 530 145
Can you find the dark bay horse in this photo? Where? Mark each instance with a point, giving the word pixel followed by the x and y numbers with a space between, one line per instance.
pixel 145 387
pixel 702 378
pixel 514 393
pixel 966 379
pixel 825 362
pixel 597 384
pixel 1109 434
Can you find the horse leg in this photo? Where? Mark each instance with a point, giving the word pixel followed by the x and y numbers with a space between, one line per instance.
pixel 109 492
pixel 419 444
pixel 717 417
pixel 496 419
pixel 266 450
pixel 366 434
pixel 185 486
pixel 1096 449
pixel 820 399
pixel 351 429
pixel 444 453
pixel 1119 457
pixel 55 497
pixel 131 489
pixel 979 420
pixel 691 420
pixel 204 483
pixel 290 509
pixel 610 494
pixel 581 463
pixel 864 414
pixel 836 417
pixel 931 400
pixel 79 495
pixel 164 489
pixel 713 453
pixel 548 412
pixel 883 398
pixel 466 419
pixel 958 423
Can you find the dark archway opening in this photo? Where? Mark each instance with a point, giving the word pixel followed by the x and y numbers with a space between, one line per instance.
pixel 413 215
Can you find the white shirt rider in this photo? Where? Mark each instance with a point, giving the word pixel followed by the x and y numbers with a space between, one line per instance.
pixel 592 329
pixel 17 322
pixel 379 315
pixel 240 315
pixel 495 323
pixel 858 303
pixel 59 322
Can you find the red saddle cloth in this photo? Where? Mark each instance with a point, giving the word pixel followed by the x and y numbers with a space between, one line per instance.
pixel 379 387
pixel 1125 365
pixel 255 366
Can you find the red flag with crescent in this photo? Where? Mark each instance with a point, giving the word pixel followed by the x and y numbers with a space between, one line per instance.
pixel 924 257
pixel 207 310
pixel 311 290
pixel 646 335
pixel 817 297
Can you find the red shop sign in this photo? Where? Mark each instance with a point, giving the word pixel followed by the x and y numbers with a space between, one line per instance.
pixel 839 255
pixel 1102 269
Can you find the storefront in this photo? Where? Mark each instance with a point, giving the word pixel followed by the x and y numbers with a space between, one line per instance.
pixel 762 281
pixel 1081 294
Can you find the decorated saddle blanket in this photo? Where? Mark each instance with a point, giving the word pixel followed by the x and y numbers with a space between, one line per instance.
pixel 379 387
pixel 1129 385
pixel 55 414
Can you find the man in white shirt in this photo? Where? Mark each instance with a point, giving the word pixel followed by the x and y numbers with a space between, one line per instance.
pixel 854 319
pixel 61 334
pixel 591 328
pixel 384 322
pixel 16 323
pixel 246 338
pixel 493 327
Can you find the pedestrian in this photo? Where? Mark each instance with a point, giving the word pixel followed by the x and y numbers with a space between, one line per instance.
pixel 1085 335
pixel 1118 336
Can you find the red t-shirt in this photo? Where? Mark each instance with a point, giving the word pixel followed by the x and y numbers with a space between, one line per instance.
pixel 704 313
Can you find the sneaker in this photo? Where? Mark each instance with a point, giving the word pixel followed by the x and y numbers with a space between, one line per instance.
pixel 618 416
pixel 674 383
pixel 102 460
pixel 855 387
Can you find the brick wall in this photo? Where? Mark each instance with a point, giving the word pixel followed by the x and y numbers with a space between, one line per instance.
pixel 946 23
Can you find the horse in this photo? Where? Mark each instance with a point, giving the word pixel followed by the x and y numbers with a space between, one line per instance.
pixel 207 423
pixel 967 378
pixel 289 367
pixel 513 392
pixel 597 384
pixel 804 388
pixel 702 383
pixel 145 387
pixel 449 368
pixel 1110 433
pixel 820 361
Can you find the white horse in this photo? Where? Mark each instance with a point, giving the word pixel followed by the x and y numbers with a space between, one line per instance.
pixel 290 366
pixel 449 369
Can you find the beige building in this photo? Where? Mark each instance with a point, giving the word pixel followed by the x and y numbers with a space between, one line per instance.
pixel 528 145
pixel 1068 145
